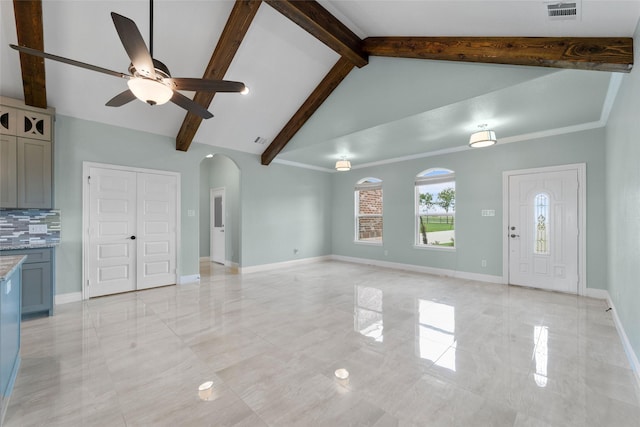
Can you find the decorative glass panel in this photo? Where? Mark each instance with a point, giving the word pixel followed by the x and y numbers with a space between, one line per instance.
pixel 541 207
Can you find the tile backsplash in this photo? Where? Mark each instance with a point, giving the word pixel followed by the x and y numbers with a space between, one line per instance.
pixel 29 227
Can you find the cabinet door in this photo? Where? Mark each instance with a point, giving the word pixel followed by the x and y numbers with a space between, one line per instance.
pixel 33 125
pixel 8 120
pixel 36 287
pixel 10 330
pixel 8 172
pixel 34 173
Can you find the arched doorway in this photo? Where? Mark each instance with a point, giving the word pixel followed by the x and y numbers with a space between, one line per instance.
pixel 220 173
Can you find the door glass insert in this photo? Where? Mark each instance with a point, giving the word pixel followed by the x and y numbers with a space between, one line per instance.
pixel 217 216
pixel 541 216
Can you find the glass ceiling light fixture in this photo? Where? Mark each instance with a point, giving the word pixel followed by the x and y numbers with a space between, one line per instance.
pixel 153 92
pixel 482 138
pixel 343 165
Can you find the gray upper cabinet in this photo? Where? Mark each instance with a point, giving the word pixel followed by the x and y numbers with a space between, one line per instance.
pixel 34 173
pixel 26 176
pixel 8 171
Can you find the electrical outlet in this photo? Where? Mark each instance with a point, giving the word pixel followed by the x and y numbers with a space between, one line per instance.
pixel 191 212
pixel 484 262
pixel 38 229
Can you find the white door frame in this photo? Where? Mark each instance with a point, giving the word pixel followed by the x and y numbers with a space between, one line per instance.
pixel 581 169
pixel 86 166
pixel 223 192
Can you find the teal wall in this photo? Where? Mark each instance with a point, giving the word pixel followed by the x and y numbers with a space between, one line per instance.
pixel 478 187
pixel 282 207
pixel 623 198
pixel 220 172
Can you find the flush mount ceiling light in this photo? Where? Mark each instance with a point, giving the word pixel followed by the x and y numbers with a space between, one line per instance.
pixel 482 138
pixel 343 165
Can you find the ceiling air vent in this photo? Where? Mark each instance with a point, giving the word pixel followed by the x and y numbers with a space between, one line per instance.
pixel 562 11
pixel 260 140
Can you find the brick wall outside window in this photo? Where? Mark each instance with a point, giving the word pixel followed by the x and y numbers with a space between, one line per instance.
pixel 370 203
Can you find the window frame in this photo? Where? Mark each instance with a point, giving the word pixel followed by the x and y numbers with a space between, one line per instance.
pixel 366 184
pixel 422 180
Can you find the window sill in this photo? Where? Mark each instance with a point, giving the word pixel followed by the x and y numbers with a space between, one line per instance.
pixel 435 248
pixel 364 242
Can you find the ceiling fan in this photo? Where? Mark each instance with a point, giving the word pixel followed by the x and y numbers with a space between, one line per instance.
pixel 149 80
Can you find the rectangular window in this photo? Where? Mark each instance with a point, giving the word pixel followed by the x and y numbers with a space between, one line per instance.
pixel 435 210
pixel 368 203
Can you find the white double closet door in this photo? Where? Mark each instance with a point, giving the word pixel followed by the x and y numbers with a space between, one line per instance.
pixel 132 229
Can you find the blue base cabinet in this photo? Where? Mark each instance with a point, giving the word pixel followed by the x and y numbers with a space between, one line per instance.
pixel 37 280
pixel 9 336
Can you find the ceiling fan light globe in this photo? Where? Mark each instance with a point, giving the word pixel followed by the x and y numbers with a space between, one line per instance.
pixel 150 91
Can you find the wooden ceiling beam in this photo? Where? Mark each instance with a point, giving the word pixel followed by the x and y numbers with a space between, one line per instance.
pixel 331 81
pixel 28 15
pixel 321 24
pixel 234 31
pixel 584 53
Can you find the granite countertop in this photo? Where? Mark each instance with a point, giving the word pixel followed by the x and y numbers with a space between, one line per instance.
pixel 28 246
pixel 8 264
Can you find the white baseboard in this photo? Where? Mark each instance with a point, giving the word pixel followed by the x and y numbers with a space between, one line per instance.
pixel 67 298
pixel 277 265
pixel 234 266
pixel 626 344
pixel 192 278
pixel 596 293
pixel 422 269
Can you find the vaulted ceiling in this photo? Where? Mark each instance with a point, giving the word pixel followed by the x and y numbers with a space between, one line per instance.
pixel 325 81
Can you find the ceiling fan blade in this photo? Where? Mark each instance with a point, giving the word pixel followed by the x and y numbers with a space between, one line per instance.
pixel 42 54
pixel 205 85
pixel 189 105
pixel 120 99
pixel 134 45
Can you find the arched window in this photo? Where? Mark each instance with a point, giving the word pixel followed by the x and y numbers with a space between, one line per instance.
pixel 435 208
pixel 368 211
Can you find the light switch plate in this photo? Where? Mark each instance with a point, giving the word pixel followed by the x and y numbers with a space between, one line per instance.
pixel 38 229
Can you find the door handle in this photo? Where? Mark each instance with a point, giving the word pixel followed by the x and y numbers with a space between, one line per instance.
pixel 222 231
pixel 513 236
pixel 133 237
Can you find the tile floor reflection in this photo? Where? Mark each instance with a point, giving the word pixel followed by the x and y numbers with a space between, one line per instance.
pixel 420 351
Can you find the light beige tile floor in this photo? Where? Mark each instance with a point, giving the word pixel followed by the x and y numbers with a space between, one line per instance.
pixel 421 351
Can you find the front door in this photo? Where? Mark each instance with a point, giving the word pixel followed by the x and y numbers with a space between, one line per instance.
pixel 543 230
pixel 217 226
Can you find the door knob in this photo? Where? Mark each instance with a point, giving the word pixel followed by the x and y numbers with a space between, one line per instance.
pixel 515 235
pixel 133 237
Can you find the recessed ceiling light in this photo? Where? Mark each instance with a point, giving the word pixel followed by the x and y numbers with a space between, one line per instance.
pixel 208 156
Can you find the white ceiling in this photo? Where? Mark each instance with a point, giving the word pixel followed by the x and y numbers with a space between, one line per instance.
pixel 388 109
